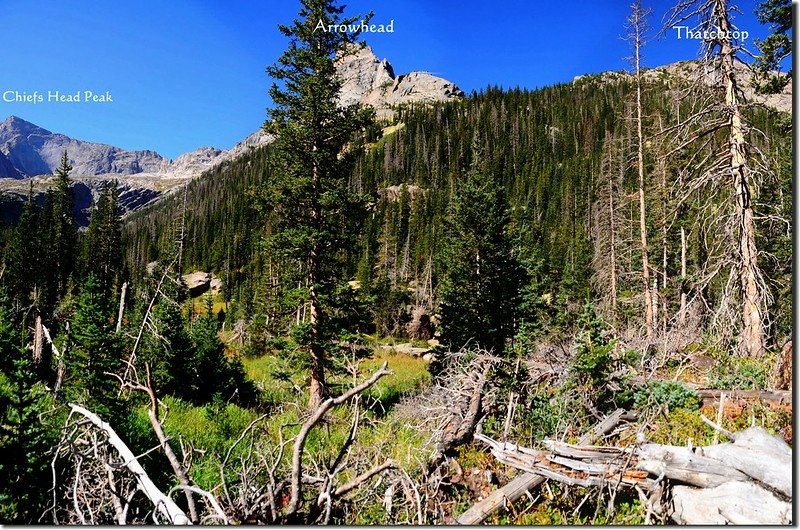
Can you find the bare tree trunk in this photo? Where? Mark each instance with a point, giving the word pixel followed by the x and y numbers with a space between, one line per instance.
pixel 317 388
pixel 682 313
pixel 637 25
pixel 613 249
pixel 121 305
pixel 751 342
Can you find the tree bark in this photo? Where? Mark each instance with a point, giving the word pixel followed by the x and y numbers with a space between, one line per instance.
pixel 637 28
pixel 751 342
pixel 317 387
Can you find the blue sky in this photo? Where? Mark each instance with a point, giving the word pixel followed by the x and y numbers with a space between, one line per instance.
pixel 189 73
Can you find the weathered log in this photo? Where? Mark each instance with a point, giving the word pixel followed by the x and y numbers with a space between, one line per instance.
pixel 520 485
pixel 682 464
pixel 730 503
pixel 759 455
pixel 709 396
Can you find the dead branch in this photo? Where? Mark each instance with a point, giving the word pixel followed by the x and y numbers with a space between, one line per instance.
pixel 518 487
pixel 313 421
pixel 162 503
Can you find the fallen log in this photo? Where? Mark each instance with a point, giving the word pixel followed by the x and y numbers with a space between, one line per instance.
pixel 710 396
pixel 747 481
pixel 161 502
pixel 730 503
pixel 519 486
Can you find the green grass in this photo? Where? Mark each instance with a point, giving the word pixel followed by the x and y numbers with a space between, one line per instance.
pixel 213 428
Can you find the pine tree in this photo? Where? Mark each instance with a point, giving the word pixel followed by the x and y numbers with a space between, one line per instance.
pixel 481 278
pixel 25 436
pixel 218 375
pixel 60 236
pixel 776 47
pixel 95 352
pixel 102 243
pixel 22 257
pixel 167 348
pixel 316 144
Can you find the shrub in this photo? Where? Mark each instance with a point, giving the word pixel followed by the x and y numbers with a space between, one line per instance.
pixel 672 394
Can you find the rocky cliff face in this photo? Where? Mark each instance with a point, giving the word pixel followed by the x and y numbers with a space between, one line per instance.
pixel 372 81
pixel 33 151
pixel 7 168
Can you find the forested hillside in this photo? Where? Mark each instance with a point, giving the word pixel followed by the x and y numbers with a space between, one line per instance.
pixel 555 151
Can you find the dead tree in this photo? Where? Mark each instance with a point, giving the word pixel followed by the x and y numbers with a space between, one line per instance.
pixel 267 491
pixel 607 225
pixel 637 25
pixel 746 481
pixel 728 164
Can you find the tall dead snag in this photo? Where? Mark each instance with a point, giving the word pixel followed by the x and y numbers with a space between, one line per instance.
pixel 606 226
pixel 752 336
pixel 725 114
pixel 637 25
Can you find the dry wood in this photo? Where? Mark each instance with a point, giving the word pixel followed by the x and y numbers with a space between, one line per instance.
pixel 121 311
pixel 709 396
pixel 729 503
pixel 747 481
pixel 310 423
pixel 515 489
pixel 758 455
pixel 682 464
pixel 161 502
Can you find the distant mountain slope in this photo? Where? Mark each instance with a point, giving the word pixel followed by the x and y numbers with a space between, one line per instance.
pixel 34 151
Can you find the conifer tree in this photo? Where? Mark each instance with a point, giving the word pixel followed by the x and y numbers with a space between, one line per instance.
pixel 25 436
pixel 218 375
pixel 102 243
pixel 776 47
pixel 59 243
pixel 95 352
pixel 168 348
pixel 481 278
pixel 22 256
pixel 316 142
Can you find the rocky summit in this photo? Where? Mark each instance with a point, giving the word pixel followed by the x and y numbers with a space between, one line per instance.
pixel 28 151
pixel 32 150
pixel 372 81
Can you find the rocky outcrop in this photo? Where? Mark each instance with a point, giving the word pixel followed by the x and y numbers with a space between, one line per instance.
pixel 372 81
pixel 697 72
pixel 7 168
pixel 200 282
pixel 33 151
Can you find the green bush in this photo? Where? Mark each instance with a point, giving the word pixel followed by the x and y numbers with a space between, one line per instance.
pixel 743 373
pixel 672 394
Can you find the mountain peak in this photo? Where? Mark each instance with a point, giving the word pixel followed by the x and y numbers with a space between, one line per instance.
pixel 372 81
pixel 31 150
pixel 15 124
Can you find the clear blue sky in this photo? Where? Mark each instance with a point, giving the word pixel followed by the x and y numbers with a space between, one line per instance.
pixel 190 73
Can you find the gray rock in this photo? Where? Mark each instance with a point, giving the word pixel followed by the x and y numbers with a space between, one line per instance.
pixel 33 151
pixel 371 81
